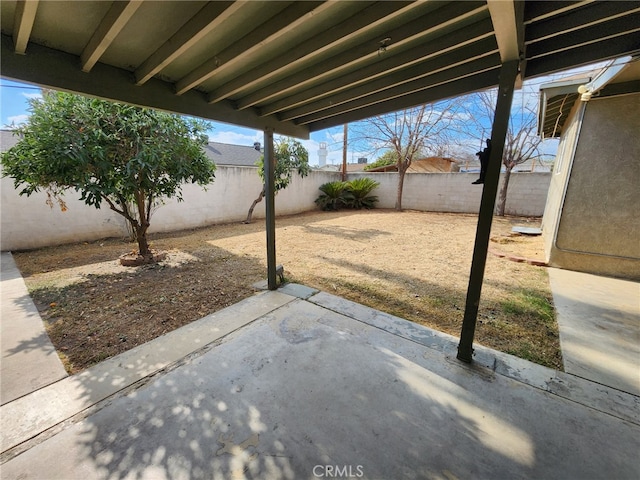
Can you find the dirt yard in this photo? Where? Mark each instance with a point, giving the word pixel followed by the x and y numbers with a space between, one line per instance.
pixel 411 264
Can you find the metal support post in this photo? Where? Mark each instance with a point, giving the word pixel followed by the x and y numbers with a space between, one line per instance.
pixel 508 76
pixel 269 188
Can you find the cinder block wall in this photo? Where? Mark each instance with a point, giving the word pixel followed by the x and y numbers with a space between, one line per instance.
pixel 27 222
pixel 453 192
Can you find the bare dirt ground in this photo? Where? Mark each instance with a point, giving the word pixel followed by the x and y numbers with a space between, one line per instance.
pixel 411 264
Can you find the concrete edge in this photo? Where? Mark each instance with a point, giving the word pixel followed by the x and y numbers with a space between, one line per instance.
pixel 605 399
pixel 23 368
pixel 39 411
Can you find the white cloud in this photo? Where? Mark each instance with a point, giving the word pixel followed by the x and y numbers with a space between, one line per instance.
pixel 235 138
pixel 16 120
pixel 31 96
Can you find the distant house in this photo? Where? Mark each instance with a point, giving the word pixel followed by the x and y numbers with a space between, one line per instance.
pixel 591 221
pixel 220 153
pixel 425 165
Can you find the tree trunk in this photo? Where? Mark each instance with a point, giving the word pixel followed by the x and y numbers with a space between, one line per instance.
pixel 401 172
pixel 502 197
pixel 143 244
pixel 253 205
pixel 143 226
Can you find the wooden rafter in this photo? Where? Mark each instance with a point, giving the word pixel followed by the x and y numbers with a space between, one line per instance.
pixel 112 23
pixel 23 23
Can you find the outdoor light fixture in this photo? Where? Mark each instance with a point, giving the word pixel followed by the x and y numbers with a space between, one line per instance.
pixel 585 93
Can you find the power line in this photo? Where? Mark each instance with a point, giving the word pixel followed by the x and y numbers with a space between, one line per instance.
pixel 22 88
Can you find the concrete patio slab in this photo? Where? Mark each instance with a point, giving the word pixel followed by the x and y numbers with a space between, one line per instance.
pixel 599 321
pixel 306 391
pixel 29 360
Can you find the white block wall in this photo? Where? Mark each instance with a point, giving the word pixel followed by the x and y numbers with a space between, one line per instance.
pixel 453 192
pixel 27 222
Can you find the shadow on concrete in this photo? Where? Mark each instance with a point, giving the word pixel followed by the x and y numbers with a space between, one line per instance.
pixel 213 429
pixel 29 360
pixel 602 345
pixel 304 389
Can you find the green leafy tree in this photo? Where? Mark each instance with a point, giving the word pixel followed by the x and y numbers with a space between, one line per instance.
pixel 128 157
pixel 290 156
pixel 390 157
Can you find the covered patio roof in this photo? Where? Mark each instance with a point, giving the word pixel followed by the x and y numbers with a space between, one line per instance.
pixel 298 67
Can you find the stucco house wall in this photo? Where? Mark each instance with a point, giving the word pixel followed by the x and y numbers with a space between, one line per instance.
pixel 592 219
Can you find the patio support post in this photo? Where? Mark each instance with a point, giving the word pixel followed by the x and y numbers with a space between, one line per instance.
pixel 508 76
pixel 269 187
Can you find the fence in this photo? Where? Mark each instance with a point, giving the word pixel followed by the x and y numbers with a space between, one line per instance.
pixel 27 222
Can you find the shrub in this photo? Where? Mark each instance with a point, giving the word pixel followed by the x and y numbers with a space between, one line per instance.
pixel 354 194
pixel 358 193
pixel 332 195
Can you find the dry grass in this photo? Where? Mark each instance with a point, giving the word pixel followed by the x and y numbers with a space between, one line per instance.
pixel 411 264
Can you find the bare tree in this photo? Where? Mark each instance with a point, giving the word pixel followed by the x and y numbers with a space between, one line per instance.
pixel 409 134
pixel 522 142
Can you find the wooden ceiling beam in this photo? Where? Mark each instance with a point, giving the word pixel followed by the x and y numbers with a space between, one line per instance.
pixel 110 26
pixel 25 16
pixel 206 20
pixel 59 70
pixel 397 92
pixel 439 46
pixel 592 35
pixel 601 49
pixel 274 28
pixel 366 20
pixel 438 69
pixel 592 14
pixel 439 20
pixel 479 81
pixel 537 11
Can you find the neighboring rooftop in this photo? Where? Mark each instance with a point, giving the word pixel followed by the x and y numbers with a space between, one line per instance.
pixel 7 140
pixel 236 155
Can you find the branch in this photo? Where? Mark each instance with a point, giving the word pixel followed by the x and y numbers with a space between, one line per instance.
pixel 149 203
pixel 124 212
